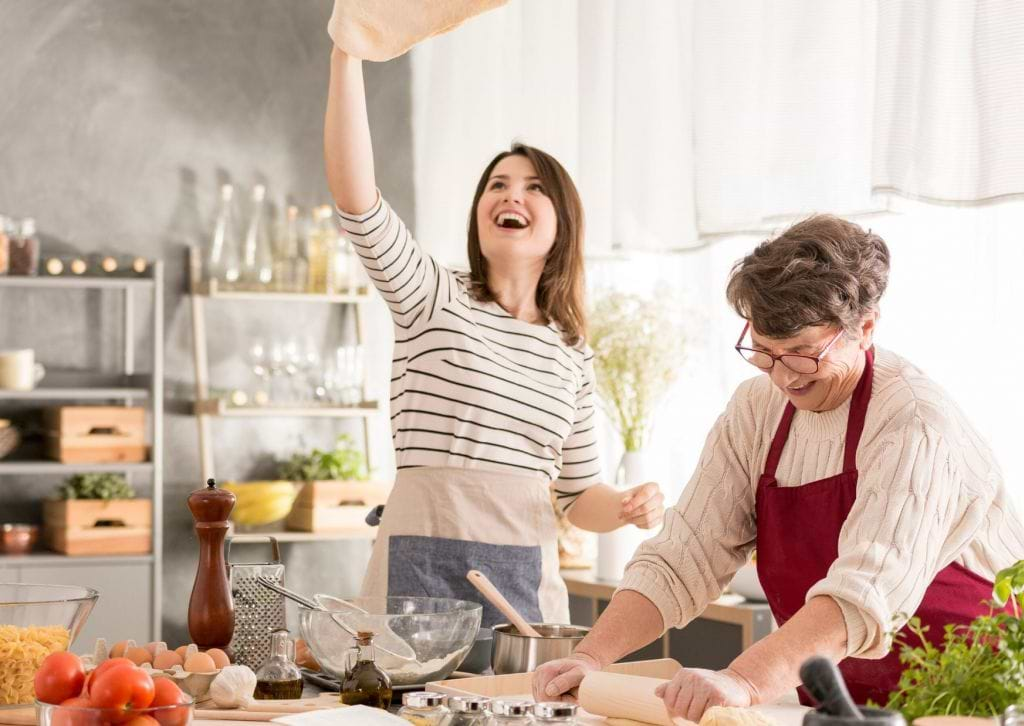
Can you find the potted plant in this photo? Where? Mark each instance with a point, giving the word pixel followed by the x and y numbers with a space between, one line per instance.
pixel 95 514
pixel 638 350
pixel 336 492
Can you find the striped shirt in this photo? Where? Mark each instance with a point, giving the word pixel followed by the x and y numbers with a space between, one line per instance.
pixel 473 387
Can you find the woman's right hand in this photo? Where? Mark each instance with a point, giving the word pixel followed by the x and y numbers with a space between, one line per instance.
pixel 558 680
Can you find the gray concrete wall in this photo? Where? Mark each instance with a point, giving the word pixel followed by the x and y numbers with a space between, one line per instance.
pixel 118 121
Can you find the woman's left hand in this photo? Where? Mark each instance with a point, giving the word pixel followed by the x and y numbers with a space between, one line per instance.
pixel 694 690
pixel 643 506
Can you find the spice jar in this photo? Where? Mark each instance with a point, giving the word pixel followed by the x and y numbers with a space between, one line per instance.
pixel 555 712
pixel 424 709
pixel 24 250
pixel 279 677
pixel 512 713
pixel 470 711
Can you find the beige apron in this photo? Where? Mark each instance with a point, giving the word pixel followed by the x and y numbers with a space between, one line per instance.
pixel 440 523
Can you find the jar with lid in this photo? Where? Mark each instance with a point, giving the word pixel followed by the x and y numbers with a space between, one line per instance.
pixel 279 677
pixel 470 711
pixel 24 249
pixel 424 709
pixel 364 684
pixel 512 713
pixel 555 712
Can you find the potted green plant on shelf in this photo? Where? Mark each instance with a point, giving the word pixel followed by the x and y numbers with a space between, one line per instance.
pixel 638 345
pixel 336 491
pixel 98 514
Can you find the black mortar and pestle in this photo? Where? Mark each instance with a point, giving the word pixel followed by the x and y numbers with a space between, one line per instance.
pixel 825 683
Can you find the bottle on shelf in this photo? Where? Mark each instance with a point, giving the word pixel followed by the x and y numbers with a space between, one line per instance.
pixel 24 249
pixel 221 260
pixel 5 246
pixel 364 682
pixel 291 269
pixel 257 257
pixel 323 241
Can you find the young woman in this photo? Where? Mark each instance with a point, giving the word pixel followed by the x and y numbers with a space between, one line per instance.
pixel 492 383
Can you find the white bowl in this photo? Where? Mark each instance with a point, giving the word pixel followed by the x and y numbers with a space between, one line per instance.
pixel 745 583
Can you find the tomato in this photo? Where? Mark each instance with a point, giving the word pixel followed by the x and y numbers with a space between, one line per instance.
pixel 69 714
pixel 59 678
pixel 102 668
pixel 167 693
pixel 122 688
pixel 141 719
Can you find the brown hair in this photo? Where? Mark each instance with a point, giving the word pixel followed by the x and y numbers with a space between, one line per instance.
pixel 560 289
pixel 821 271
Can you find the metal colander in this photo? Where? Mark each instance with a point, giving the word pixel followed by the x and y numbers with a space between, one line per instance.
pixel 258 611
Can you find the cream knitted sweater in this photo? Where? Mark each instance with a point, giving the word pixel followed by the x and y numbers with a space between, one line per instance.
pixel 929 493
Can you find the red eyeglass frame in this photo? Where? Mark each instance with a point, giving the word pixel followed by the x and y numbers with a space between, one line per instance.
pixel 816 358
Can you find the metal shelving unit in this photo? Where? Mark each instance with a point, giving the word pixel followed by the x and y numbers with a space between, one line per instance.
pixel 127 386
pixel 207 407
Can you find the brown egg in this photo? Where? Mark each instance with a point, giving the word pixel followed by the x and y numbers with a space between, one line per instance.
pixel 182 650
pixel 156 648
pixel 220 658
pixel 167 660
pixel 117 649
pixel 200 663
pixel 138 656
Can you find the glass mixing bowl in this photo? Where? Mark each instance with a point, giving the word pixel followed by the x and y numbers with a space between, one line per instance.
pixel 440 632
pixel 36 620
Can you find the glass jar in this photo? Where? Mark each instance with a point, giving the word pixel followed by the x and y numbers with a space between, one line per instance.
pixel 470 711
pixel 24 250
pixel 279 677
pixel 424 709
pixel 364 684
pixel 511 713
pixel 555 712
pixel 5 245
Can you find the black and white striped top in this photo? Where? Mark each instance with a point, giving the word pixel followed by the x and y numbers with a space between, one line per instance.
pixel 472 386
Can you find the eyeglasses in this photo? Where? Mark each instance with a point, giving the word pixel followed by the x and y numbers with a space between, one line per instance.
pixel 796 363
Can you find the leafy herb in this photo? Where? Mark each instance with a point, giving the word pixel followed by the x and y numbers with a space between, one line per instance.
pixel 96 486
pixel 345 462
pixel 978 671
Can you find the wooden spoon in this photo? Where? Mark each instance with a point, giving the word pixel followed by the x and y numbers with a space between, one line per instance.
pixel 489 591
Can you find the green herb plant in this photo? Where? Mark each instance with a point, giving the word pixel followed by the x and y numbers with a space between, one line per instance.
pixel 96 486
pixel 343 463
pixel 978 671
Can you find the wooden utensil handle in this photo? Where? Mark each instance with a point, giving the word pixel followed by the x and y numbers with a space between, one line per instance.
pixel 489 591
pixel 621 696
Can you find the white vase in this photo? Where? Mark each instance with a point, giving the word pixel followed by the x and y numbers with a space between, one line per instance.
pixel 615 549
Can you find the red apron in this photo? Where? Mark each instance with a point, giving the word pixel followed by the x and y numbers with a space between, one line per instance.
pixel 798 540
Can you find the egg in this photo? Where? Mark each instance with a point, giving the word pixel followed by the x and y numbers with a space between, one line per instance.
pixel 117 650
pixel 138 656
pixel 182 650
pixel 220 658
pixel 167 660
pixel 156 648
pixel 200 663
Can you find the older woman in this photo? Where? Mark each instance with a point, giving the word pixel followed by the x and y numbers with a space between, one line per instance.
pixel 865 490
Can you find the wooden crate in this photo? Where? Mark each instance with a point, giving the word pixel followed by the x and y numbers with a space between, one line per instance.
pixel 333 506
pixel 98 527
pixel 96 434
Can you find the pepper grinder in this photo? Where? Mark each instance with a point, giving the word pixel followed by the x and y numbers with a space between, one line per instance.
pixel 211 612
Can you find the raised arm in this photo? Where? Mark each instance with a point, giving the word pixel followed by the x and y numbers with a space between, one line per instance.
pixel 348 150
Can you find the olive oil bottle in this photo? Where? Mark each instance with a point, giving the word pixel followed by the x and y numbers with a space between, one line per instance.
pixel 365 684
pixel 279 678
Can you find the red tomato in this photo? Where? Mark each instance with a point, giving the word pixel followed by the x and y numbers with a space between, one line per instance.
pixel 122 688
pixel 140 719
pixel 59 678
pixel 102 668
pixel 167 693
pixel 69 714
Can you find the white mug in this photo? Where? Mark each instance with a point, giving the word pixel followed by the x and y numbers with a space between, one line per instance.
pixel 19 370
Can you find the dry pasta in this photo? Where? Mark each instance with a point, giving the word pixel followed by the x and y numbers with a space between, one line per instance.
pixel 22 651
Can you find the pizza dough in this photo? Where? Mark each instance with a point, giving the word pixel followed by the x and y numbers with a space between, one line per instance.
pixel 379 30
pixel 714 716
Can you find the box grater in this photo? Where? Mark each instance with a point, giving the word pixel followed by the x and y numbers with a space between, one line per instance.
pixel 258 611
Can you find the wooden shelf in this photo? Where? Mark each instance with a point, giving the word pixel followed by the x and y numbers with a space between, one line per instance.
pixel 55 558
pixel 206 289
pixel 78 283
pixel 55 467
pixel 221 407
pixel 365 532
pixel 60 385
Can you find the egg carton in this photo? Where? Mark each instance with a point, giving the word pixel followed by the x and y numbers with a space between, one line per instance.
pixel 194 683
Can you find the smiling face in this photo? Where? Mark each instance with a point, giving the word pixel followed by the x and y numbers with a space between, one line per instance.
pixel 515 218
pixel 838 371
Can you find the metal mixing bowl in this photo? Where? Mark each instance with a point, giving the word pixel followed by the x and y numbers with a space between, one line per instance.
pixel 439 631
pixel 516 653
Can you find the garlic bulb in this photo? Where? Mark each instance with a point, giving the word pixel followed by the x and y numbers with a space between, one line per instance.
pixel 233 687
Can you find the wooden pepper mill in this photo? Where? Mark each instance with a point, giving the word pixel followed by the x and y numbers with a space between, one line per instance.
pixel 211 612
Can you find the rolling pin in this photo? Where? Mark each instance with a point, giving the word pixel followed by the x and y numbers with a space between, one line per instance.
pixel 619 696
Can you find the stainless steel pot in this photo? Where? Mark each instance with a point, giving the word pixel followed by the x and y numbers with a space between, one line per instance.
pixel 515 653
